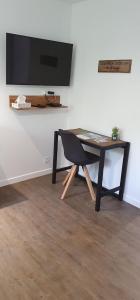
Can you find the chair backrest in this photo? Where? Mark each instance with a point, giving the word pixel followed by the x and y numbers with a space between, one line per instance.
pixel 73 149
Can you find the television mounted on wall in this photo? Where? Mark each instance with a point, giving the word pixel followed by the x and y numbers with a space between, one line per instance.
pixel 35 61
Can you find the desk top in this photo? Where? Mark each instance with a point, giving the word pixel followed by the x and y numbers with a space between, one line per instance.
pixel 97 140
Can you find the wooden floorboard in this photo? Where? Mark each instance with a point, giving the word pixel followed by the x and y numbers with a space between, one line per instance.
pixel 63 250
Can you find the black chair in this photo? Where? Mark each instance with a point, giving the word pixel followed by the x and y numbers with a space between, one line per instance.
pixel 75 153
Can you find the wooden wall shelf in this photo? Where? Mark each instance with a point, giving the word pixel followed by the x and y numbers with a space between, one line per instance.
pixel 45 101
pixel 47 109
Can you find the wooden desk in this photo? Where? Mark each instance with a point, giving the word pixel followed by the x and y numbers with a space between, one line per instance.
pixel 103 145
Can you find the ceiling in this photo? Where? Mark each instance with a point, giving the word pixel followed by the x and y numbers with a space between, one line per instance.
pixel 73 1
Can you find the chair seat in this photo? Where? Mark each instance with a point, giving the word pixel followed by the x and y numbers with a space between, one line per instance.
pixel 91 158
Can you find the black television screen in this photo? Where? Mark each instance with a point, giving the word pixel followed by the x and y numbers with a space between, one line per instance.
pixel 34 61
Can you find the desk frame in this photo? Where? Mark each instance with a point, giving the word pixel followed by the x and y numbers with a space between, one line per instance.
pixel 101 191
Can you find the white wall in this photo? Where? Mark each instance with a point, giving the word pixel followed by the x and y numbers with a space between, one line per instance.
pixel 100 30
pixel 27 137
pixel 108 30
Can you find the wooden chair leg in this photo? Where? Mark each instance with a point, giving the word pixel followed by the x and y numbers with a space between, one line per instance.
pixel 67 177
pixel 89 183
pixel 73 171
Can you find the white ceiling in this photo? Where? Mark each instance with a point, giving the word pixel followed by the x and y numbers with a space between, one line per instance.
pixel 73 1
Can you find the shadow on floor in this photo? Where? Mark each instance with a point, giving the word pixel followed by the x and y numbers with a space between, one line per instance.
pixel 10 196
pixel 78 198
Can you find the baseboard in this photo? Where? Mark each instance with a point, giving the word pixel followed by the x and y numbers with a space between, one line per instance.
pixel 131 201
pixel 24 177
pixel 126 198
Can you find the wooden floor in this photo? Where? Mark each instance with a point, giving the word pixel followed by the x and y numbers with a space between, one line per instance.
pixel 58 250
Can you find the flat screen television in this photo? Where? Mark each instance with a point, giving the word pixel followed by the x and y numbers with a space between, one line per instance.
pixel 34 61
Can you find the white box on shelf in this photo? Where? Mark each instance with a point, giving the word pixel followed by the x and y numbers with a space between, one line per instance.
pixel 26 105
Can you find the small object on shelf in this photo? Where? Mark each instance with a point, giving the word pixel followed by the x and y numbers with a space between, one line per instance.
pixel 51 93
pixel 115 133
pixel 21 99
pixel 21 106
pixel 20 103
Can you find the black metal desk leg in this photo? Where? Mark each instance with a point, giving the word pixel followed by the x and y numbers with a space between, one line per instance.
pixel 100 179
pixel 124 170
pixel 55 157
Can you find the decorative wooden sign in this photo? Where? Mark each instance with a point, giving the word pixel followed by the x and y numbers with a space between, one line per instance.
pixel 115 66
